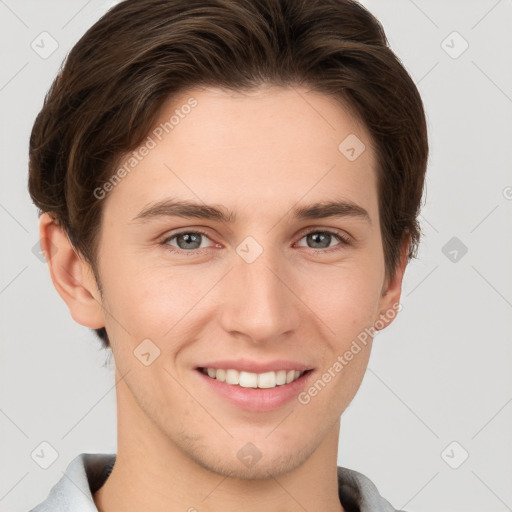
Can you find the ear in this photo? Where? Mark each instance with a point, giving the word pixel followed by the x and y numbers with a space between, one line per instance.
pixel 71 275
pixel 389 303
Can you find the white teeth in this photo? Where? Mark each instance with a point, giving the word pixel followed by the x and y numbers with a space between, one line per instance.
pixel 247 380
pixel 232 376
pixel 281 377
pixel 266 380
pixel 244 379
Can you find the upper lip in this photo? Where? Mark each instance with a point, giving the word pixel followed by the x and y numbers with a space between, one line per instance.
pixel 255 366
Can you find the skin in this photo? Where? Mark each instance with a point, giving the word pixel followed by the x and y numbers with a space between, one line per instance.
pixel 259 154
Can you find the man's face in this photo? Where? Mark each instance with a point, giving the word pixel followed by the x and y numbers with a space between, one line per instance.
pixel 265 286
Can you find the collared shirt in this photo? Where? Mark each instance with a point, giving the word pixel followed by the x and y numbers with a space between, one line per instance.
pixel 87 472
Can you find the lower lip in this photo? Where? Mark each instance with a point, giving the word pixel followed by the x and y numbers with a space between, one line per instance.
pixel 258 399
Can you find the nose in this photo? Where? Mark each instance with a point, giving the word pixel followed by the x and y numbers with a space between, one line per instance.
pixel 259 300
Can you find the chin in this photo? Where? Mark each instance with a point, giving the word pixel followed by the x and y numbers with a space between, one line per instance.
pixel 258 460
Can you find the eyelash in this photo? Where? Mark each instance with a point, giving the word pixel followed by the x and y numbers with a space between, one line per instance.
pixel 344 241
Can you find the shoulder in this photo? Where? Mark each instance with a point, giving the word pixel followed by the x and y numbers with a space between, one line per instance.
pixel 84 475
pixel 358 493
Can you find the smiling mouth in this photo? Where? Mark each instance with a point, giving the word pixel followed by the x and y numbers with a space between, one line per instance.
pixel 266 380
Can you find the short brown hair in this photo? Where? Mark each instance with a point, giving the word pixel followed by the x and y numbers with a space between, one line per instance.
pixel 108 93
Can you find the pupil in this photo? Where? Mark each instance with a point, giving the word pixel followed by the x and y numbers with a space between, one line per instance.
pixel 317 238
pixel 189 238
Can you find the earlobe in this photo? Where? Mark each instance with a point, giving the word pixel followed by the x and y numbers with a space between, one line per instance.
pixel 71 275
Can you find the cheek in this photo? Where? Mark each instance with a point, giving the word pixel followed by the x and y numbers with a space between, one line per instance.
pixel 345 297
pixel 153 301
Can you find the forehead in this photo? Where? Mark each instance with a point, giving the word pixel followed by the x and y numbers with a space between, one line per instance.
pixel 260 148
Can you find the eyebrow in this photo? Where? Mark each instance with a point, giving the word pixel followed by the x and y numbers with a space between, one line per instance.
pixel 190 209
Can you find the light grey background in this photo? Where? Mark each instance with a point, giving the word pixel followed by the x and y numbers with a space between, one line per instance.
pixel 441 373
